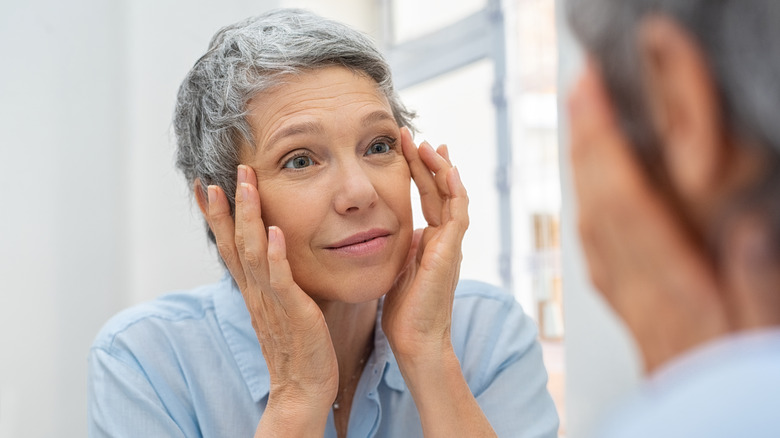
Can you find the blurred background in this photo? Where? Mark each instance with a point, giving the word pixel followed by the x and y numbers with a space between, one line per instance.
pixel 95 218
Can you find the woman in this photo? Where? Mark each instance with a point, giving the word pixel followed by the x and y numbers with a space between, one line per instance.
pixel 299 154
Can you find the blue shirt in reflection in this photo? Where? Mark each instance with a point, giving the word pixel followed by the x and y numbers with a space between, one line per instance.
pixel 729 388
pixel 189 365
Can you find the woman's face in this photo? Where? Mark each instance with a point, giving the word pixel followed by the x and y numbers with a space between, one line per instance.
pixel 332 177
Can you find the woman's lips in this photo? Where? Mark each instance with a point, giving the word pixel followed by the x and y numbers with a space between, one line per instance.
pixel 362 244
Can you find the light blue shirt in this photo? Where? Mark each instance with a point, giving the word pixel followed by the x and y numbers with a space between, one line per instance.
pixel 189 365
pixel 728 388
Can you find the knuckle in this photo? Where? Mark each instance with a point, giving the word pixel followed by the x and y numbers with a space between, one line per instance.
pixel 225 250
pixel 218 216
pixel 240 242
pixel 253 259
pixel 275 257
pixel 277 284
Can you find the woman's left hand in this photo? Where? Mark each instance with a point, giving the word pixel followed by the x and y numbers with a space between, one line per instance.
pixel 417 312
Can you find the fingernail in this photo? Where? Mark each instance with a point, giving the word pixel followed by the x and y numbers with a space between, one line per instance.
pixel 212 192
pixel 242 192
pixel 272 234
pixel 241 174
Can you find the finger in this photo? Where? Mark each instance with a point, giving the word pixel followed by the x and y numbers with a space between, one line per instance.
pixel 423 179
pixel 454 213
pixel 283 286
pixel 441 168
pixel 436 164
pixel 444 151
pixel 221 223
pixel 597 143
pixel 251 241
pixel 439 262
pixel 615 195
pixel 248 175
pixel 415 246
pixel 590 114
pixel 597 267
pixel 458 207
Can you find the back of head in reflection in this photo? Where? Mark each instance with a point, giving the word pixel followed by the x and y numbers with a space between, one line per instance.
pixel 676 155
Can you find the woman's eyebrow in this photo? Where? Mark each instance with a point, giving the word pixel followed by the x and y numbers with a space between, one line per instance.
pixel 376 116
pixel 310 127
pixel 313 127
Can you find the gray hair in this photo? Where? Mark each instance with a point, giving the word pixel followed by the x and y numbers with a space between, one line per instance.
pixel 736 37
pixel 247 58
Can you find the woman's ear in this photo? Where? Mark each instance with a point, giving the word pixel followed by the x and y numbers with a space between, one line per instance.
pixel 201 197
pixel 685 108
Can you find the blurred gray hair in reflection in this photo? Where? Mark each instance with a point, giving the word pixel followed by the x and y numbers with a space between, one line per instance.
pixel 737 38
pixel 247 58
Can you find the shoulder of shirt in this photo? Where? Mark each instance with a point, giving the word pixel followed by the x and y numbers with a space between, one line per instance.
pixel 490 333
pixel 168 308
pixel 481 306
pixel 478 289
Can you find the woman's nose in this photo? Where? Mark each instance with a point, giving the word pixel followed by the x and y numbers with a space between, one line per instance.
pixel 354 191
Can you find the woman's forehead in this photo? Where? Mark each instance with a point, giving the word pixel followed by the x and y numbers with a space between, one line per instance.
pixel 307 101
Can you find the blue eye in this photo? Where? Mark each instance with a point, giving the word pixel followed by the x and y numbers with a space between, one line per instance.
pixel 380 147
pixel 299 162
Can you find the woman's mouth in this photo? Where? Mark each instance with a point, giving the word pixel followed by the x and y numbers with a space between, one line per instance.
pixel 361 244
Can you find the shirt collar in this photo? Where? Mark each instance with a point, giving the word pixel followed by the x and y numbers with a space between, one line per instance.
pixel 236 325
pixel 383 354
pixel 723 351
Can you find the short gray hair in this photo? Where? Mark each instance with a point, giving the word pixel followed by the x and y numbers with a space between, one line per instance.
pixel 736 37
pixel 249 57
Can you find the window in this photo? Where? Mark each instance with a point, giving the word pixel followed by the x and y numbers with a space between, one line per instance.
pixel 482 76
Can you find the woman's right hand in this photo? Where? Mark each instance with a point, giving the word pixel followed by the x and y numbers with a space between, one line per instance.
pixel 290 327
pixel 640 255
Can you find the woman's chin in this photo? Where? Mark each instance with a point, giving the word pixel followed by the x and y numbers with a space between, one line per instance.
pixel 354 292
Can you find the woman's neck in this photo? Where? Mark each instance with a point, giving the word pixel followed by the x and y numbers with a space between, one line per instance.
pixel 351 329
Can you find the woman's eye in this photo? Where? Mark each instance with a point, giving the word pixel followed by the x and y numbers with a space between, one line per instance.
pixel 299 162
pixel 379 148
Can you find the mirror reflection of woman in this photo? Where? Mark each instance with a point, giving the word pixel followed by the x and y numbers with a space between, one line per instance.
pixel 337 319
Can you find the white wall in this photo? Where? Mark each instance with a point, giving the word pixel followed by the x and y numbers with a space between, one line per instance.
pixel 61 136
pixel 165 236
pixel 601 361
pixel 94 217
